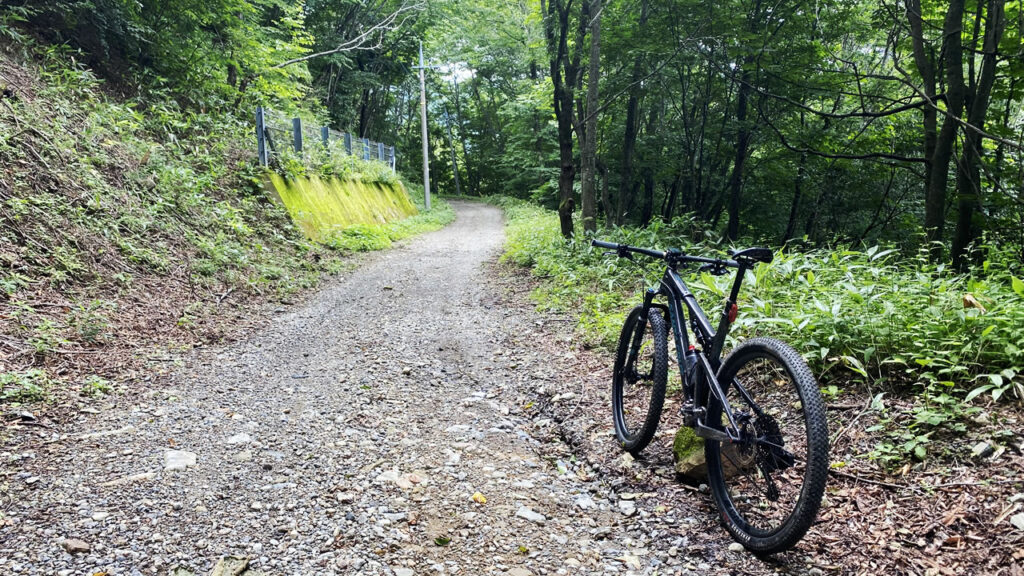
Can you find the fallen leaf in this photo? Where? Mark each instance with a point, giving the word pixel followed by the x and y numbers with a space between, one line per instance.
pixel 442 540
pixel 971 302
pixel 479 498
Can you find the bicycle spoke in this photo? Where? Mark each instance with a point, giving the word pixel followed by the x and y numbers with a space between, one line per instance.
pixel 765 490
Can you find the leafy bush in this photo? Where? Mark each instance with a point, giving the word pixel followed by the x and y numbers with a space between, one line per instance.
pixel 24 387
pixel 854 314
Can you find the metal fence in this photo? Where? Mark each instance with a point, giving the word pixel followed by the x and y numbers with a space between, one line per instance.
pixel 276 133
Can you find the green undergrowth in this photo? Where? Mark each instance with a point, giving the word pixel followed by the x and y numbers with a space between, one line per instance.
pixel 869 315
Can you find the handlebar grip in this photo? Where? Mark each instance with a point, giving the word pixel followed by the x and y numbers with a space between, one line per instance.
pixel 601 244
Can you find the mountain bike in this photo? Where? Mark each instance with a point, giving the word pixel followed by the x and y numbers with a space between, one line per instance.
pixel 759 411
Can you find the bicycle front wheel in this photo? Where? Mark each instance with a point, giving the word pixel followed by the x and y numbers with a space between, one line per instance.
pixel 769 486
pixel 639 378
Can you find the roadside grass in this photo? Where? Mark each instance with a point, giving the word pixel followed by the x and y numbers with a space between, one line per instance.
pixel 864 319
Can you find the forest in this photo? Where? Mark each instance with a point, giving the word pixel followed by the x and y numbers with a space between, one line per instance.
pixel 785 122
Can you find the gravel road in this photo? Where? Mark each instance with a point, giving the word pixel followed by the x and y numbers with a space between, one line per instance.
pixel 382 426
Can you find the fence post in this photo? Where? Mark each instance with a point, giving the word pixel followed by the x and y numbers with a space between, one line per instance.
pixel 348 143
pixel 380 151
pixel 325 135
pixel 261 137
pixel 297 134
pixel 366 148
pixel 391 158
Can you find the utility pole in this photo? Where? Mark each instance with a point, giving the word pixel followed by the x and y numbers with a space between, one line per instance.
pixel 423 121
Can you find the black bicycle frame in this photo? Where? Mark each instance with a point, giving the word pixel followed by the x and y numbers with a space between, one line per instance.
pixel 711 341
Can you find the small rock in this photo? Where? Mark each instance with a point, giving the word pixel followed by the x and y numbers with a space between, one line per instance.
pixel 1017 520
pixel 76 546
pixel 178 460
pixel 100 516
pixel 627 507
pixel 241 438
pixel 585 502
pixel 736 547
pixel 404 572
pixel 982 449
pixel 517 571
pixel 230 566
pixel 528 514
pixel 243 456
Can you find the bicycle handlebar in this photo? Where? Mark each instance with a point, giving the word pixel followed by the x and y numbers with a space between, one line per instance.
pixel 671 256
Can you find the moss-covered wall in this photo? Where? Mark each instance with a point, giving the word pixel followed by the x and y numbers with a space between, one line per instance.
pixel 324 206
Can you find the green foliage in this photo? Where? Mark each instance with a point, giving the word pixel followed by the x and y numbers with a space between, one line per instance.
pixel 854 315
pixel 207 53
pixel 90 322
pixel 24 387
pixel 912 432
pixel 95 386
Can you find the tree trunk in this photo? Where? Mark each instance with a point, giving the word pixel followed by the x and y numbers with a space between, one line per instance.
pixel 670 202
pixel 563 75
pixel 742 143
pixel 969 194
pixel 647 171
pixel 794 207
pixel 935 199
pixel 925 64
pixel 588 193
pixel 632 127
pixel 606 196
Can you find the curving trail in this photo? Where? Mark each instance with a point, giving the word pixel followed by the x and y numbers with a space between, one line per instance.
pixel 349 437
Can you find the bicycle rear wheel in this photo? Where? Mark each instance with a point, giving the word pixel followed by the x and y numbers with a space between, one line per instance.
pixel 639 378
pixel 768 487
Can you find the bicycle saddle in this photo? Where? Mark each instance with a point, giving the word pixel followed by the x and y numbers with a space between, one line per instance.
pixel 753 255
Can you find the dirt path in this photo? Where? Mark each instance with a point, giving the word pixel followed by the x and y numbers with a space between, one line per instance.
pixel 350 437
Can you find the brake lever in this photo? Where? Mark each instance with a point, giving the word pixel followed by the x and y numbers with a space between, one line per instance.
pixel 622 254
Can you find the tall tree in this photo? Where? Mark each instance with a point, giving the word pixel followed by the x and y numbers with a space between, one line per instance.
pixel 588 193
pixel 564 76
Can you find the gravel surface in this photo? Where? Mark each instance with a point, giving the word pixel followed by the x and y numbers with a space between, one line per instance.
pixel 378 428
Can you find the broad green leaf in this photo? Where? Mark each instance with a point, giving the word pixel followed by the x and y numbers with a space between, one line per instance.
pixel 977 392
pixel 1018 286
